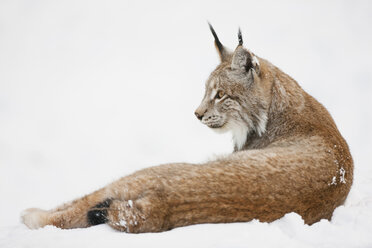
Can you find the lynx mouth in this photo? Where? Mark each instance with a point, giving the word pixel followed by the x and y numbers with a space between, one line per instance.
pixel 214 122
pixel 216 125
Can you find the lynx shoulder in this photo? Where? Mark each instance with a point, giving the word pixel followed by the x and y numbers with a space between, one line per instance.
pixel 288 157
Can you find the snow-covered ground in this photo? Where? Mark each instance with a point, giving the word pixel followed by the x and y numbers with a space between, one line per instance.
pixel 94 90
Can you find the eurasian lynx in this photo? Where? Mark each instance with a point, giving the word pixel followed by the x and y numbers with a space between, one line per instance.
pixel 288 157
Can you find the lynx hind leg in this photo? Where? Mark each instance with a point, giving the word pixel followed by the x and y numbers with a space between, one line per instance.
pixel 136 216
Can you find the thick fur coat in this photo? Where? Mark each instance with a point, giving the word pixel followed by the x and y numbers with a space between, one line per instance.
pixel 288 157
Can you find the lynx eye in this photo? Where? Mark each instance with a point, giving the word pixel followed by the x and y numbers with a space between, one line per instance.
pixel 220 94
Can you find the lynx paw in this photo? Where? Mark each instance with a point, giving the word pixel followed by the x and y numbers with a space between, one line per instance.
pixel 34 218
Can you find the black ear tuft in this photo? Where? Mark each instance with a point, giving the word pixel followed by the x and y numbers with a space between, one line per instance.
pixel 216 40
pixel 240 37
pixel 222 51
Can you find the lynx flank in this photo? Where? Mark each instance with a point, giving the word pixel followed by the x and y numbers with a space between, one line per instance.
pixel 288 157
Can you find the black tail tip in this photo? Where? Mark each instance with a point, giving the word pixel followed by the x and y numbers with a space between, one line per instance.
pixel 98 214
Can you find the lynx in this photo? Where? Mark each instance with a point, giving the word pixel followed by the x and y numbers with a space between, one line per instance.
pixel 288 157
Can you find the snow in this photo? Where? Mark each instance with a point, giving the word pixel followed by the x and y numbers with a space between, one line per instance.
pixel 333 181
pixel 91 91
pixel 342 175
pixel 123 223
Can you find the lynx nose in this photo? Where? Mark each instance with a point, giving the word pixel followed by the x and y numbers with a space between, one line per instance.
pixel 199 112
pixel 199 116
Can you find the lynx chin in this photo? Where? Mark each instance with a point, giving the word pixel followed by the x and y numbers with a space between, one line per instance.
pixel 288 157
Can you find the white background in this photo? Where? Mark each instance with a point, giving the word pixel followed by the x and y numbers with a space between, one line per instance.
pixel 94 90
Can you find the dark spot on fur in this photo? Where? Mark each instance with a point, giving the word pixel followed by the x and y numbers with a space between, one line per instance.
pixel 98 214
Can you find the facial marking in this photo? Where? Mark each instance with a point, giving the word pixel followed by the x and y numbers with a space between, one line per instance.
pixel 213 94
pixel 212 84
pixel 219 100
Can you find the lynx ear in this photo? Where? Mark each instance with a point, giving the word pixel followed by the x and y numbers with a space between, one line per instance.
pixel 222 51
pixel 242 59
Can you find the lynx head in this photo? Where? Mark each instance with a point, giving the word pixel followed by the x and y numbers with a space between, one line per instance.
pixel 235 97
